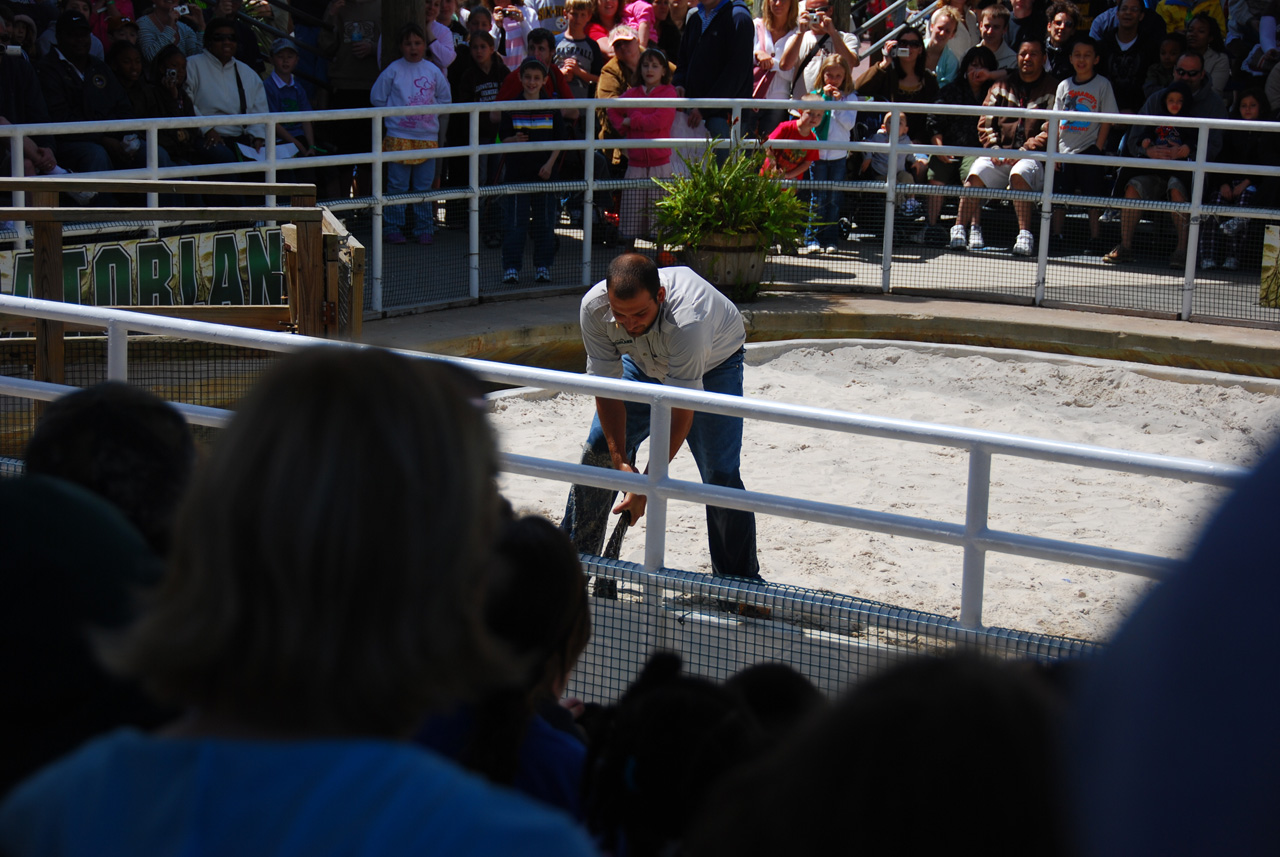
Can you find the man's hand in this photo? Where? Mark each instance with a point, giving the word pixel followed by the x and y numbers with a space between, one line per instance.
pixel 362 48
pixel 634 504
pixel 1168 153
pixel 44 159
pixel 695 118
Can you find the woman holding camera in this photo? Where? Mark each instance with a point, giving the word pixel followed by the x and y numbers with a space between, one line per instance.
pixel 901 76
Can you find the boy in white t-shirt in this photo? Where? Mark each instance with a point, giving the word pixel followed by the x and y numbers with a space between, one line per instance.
pixel 1087 92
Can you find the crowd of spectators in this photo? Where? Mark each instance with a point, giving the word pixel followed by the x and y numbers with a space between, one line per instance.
pixel 216 62
pixel 327 631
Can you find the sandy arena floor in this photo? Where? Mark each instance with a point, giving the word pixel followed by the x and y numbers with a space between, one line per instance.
pixel 1104 404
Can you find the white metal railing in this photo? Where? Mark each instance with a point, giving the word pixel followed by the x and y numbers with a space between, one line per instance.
pixel 588 143
pixel 974 535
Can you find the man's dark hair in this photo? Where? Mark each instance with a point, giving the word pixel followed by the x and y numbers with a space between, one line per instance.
pixel 540 36
pixel 219 24
pixel 630 274
pixel 124 444
pixel 1024 38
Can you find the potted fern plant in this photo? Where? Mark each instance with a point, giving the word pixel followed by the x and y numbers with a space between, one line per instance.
pixel 726 216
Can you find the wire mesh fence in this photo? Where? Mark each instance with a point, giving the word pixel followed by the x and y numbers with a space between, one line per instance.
pixel 177 370
pixel 720 626
pixel 850 255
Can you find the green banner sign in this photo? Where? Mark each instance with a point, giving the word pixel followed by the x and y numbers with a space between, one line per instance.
pixel 245 266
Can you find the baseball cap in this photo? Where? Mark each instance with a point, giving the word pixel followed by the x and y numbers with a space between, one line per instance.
pixel 71 21
pixel 531 62
pixel 283 45
pixel 622 33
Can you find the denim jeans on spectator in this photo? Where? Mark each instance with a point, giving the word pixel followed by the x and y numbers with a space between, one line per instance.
pixel 490 206
pixel 718 129
pixel 824 205
pixel 716 443
pixel 517 212
pixel 401 178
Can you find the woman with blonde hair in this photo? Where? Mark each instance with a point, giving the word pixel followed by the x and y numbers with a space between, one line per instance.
pixel 774 28
pixel 324 594
pixel 944 23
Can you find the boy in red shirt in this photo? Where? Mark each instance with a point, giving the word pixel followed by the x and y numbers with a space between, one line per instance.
pixel 785 163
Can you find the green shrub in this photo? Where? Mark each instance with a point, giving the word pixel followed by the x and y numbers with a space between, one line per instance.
pixel 730 198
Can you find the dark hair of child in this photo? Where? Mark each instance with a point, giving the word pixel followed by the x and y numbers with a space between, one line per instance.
pixel 657 756
pixel 410 29
pixel 537 605
pixel 637 79
pixel 779 696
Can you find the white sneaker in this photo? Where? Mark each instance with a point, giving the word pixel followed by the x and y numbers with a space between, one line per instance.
pixel 1230 264
pixel 958 239
pixel 806 249
pixel 975 238
pixel 1023 246
pixel 1207 264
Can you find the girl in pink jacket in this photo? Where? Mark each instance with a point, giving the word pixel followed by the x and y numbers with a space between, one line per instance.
pixel 652 80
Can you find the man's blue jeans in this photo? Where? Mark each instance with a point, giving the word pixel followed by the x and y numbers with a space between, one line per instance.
pixel 716 444
pixel 718 128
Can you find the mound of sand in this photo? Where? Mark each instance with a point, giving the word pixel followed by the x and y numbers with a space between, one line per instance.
pixel 1115 405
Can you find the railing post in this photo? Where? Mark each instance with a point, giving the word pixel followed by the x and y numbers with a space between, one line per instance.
pixel 975 524
pixel 117 352
pixel 1046 212
pixel 50 348
pixel 375 216
pixel 269 156
pixel 1193 227
pixel 19 198
pixel 473 206
pixel 890 202
pixel 153 172
pixel 588 196
pixel 655 539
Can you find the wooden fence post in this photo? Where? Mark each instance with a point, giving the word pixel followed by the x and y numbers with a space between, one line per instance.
pixel 309 289
pixel 50 350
